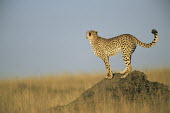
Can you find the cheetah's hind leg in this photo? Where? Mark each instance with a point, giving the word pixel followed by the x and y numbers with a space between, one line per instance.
pixel 125 75
pixel 123 72
pixel 128 69
pixel 127 50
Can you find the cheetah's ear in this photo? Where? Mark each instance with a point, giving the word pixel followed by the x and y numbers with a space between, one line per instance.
pixel 96 32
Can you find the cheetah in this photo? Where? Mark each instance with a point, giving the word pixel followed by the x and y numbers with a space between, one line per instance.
pixel 126 43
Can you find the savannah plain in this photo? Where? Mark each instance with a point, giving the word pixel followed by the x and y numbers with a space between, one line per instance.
pixel 36 94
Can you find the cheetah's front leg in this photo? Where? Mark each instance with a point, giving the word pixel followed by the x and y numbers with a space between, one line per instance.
pixel 108 70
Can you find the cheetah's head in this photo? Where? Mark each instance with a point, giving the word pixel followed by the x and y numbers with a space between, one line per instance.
pixel 91 34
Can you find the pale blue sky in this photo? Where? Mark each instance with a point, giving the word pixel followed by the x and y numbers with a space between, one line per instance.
pixel 48 36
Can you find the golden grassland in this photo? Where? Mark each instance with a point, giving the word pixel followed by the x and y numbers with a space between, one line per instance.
pixel 35 94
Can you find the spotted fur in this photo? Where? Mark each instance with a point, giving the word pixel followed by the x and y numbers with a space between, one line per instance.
pixel 126 43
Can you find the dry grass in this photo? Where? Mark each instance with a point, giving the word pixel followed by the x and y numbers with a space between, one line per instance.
pixel 34 94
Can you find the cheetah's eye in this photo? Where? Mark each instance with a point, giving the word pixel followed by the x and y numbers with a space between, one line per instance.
pixel 89 34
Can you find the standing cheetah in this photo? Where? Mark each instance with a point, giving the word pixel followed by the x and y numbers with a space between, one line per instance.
pixel 126 43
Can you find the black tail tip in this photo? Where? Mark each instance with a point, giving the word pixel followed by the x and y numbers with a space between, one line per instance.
pixel 154 31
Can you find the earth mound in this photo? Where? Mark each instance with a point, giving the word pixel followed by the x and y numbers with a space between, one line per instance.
pixel 133 88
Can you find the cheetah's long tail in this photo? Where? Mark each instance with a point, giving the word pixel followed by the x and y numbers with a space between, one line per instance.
pixel 155 32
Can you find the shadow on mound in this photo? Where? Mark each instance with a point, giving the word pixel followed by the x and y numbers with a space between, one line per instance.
pixel 133 88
